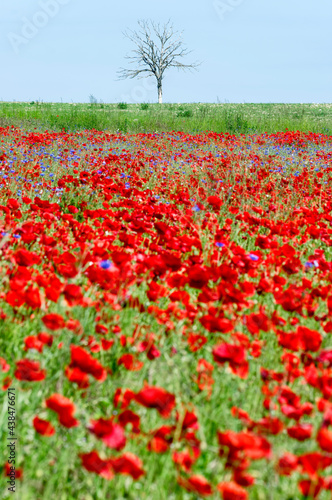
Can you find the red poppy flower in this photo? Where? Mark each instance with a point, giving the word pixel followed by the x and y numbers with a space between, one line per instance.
pixel 129 417
pixel 243 479
pixel 6 383
pixel 52 293
pixel 111 434
pixel 25 258
pixel 101 329
pixel 235 355
pixel 32 342
pixel 303 339
pixel 151 351
pixel 253 446
pixel 53 321
pixel 216 324
pixel 13 204
pixel 18 471
pixel 29 370
pixel 32 298
pixel 232 491
pixel 215 202
pixel 43 427
pixel 15 298
pixel 158 398
pixel 45 338
pixel 93 463
pixel 197 483
pixel 268 425
pixel 156 291
pixel 324 439
pixel 4 365
pixel 76 375
pixel 312 463
pixel 287 464
pixel 162 439
pixel 128 463
pixel 81 359
pixel 204 379
pixel 196 342
pixel 198 276
pixel 64 408
pixel 186 459
pixel 107 344
pixel 310 340
pixel 311 488
pixel 301 432
pixel 130 362
pixel 172 261
pixel 73 294
pixel 257 322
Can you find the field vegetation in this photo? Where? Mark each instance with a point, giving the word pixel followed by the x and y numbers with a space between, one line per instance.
pixel 166 302
pixel 189 118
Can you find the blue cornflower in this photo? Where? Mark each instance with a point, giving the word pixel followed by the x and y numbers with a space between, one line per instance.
pixel 253 257
pixel 312 264
pixel 196 208
pixel 218 244
pixel 105 264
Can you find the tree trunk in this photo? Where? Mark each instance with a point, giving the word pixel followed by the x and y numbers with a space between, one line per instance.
pixel 160 92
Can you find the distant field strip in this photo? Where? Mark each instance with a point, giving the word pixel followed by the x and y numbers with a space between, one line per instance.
pixel 189 118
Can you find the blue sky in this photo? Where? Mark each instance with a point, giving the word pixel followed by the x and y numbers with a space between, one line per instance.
pixel 251 50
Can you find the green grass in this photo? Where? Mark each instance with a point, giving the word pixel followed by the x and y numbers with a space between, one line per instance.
pixel 189 118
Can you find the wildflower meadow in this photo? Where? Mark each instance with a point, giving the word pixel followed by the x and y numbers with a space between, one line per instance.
pixel 165 315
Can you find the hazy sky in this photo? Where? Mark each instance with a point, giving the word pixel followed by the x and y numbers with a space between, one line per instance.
pixel 251 50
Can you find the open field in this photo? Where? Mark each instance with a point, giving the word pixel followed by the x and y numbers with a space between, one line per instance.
pixel 165 306
pixel 189 118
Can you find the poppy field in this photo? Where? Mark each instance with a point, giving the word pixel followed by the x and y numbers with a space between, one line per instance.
pixel 166 315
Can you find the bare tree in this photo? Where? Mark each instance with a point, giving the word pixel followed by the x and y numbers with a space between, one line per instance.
pixel 157 49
